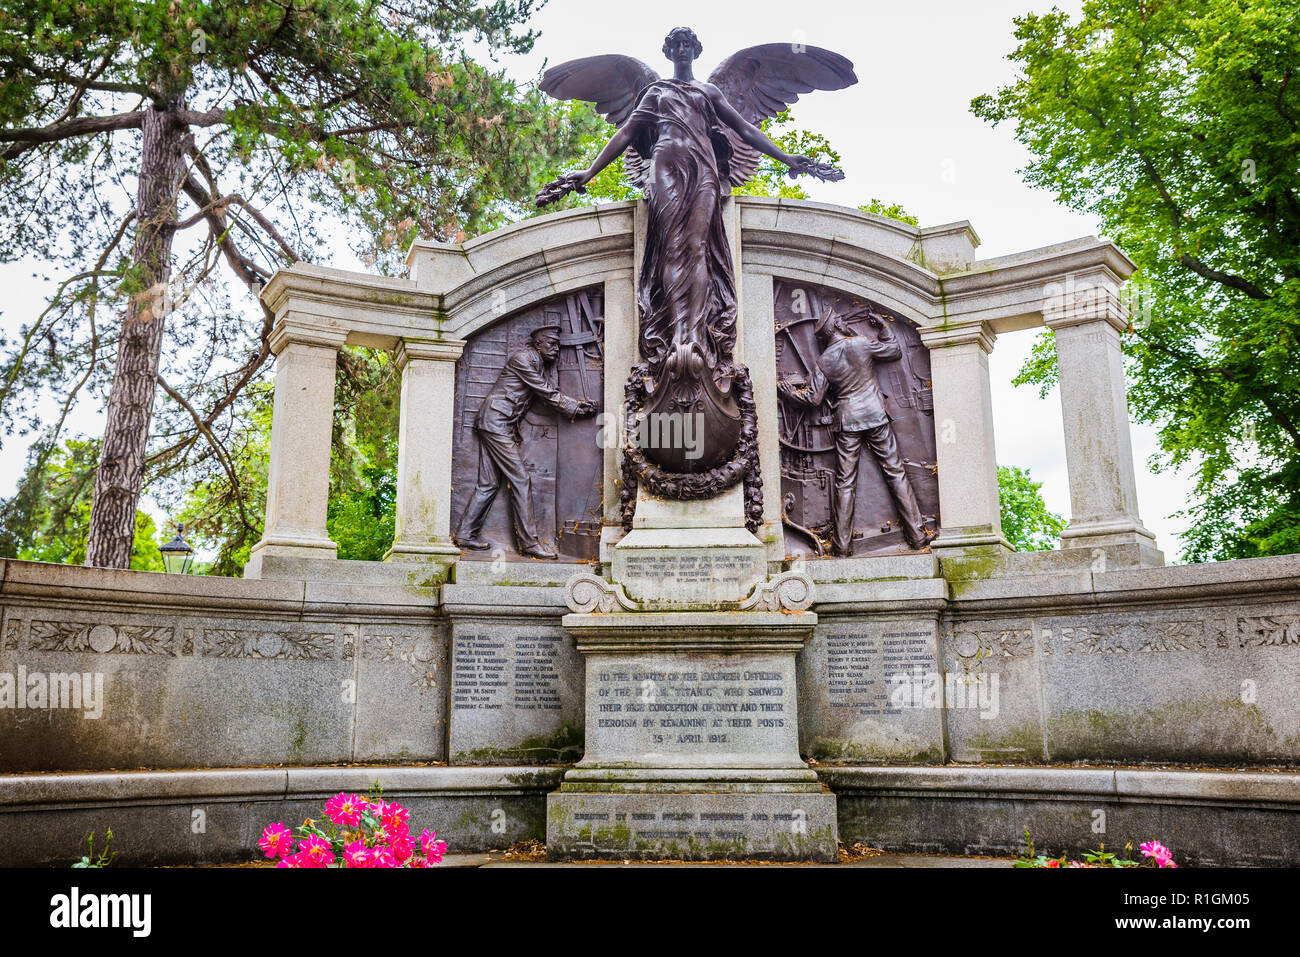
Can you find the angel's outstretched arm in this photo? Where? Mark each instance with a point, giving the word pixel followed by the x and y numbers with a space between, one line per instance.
pixel 578 179
pixel 750 133
pixel 613 149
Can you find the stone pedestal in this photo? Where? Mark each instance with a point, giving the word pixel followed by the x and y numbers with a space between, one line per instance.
pixel 691 727
pixel 692 742
pixel 689 555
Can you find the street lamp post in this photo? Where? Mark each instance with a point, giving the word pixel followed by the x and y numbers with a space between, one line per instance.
pixel 177 554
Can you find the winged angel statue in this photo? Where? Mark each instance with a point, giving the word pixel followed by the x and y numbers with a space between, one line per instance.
pixel 686 143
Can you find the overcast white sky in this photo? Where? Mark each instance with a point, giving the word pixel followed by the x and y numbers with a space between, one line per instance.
pixel 906 135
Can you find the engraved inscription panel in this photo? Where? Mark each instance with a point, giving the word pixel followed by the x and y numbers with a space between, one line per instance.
pixel 516 694
pixel 871 691
pixel 671 709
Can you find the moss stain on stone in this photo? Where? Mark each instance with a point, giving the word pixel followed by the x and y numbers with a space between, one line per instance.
pixel 1200 730
pixel 562 745
pixel 1021 743
pixel 832 750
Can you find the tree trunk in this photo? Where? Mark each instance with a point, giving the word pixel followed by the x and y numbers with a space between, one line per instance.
pixel 120 475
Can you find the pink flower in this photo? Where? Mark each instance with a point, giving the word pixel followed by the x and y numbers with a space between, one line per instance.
pixel 402 847
pixel 293 860
pixel 1162 855
pixel 315 851
pixel 429 843
pixel 393 830
pixel 345 809
pixel 277 841
pixel 382 857
pixel 356 855
pixel 395 818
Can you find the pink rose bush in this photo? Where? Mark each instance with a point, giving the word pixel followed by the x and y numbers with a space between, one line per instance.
pixel 1158 853
pixel 1155 852
pixel 355 832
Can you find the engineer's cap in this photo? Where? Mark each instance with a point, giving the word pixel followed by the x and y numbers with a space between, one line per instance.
pixel 824 322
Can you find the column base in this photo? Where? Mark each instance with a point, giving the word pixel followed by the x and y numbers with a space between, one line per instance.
pixel 442 554
pixel 964 537
pixel 1123 543
pixel 1113 531
pixel 288 546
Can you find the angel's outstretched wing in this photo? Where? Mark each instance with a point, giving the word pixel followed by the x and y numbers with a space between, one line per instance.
pixel 614 83
pixel 762 81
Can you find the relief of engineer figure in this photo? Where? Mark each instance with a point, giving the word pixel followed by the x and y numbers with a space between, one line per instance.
pixel 846 369
pixel 528 375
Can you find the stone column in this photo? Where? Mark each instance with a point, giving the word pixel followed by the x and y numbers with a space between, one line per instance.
pixel 297 488
pixel 969 511
pixel 424 448
pixel 1094 410
pixel 760 356
pixel 620 355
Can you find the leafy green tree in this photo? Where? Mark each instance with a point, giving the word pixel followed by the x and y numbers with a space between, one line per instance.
pixel 149 149
pixel 227 515
pixel 1027 524
pixel 49 523
pixel 363 470
pixel 1175 124
pixel 890 211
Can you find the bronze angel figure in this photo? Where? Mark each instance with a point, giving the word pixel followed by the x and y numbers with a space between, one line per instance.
pixel 686 143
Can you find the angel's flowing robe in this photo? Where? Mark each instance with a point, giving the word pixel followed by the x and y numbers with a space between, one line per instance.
pixel 687 290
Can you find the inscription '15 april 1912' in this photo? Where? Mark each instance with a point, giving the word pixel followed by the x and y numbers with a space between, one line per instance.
pixel 683 709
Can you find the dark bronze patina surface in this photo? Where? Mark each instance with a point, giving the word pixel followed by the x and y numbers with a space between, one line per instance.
pixel 858 454
pixel 686 143
pixel 527 463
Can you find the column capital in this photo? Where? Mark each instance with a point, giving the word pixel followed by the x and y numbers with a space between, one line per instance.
pixel 959 334
pixel 440 350
pixel 287 330
pixel 1085 304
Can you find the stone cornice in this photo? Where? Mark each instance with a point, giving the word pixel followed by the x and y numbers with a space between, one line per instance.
pixel 927 274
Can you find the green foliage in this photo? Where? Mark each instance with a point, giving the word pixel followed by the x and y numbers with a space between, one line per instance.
pixel 225 508
pixel 892 211
pixel 1098 858
pixel 100 860
pixel 363 466
pixel 307 117
pixel 363 470
pixel 1039 368
pixel 1026 522
pixel 46 520
pixel 1176 125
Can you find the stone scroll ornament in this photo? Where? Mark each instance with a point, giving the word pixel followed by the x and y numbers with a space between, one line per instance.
pixel 685 144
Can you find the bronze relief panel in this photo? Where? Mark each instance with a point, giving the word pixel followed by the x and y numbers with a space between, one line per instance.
pixel 527 462
pixel 856 418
